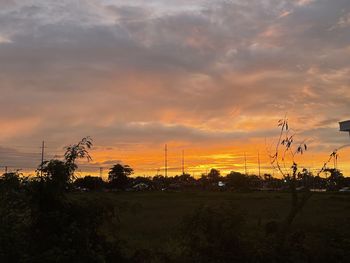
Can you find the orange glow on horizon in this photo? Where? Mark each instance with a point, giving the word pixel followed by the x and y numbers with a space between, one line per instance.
pixel 199 160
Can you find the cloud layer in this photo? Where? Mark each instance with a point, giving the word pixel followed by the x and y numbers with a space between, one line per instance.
pixel 189 72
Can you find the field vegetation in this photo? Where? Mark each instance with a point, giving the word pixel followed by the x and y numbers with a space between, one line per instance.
pixel 56 217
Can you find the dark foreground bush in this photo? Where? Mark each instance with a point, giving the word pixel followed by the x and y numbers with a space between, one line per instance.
pixel 214 235
pixel 39 224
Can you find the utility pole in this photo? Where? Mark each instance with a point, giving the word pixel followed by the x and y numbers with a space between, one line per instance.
pixel 183 161
pixel 42 157
pixel 166 160
pixel 101 170
pixel 245 163
pixel 5 169
pixel 259 163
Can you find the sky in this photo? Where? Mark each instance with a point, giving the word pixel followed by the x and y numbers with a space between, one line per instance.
pixel 211 78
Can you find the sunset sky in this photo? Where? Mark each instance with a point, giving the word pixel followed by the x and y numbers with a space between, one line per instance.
pixel 210 77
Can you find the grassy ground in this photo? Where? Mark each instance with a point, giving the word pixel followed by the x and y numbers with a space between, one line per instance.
pixel 148 219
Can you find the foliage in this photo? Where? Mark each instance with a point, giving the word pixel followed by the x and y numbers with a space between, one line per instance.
pixel 39 224
pixel 118 176
pixel 213 176
pixel 10 181
pixel 60 173
pixel 70 232
pixel 335 180
pixel 14 218
pixel 238 180
pixel 286 151
pixel 77 151
pixel 56 175
pixel 89 183
pixel 214 235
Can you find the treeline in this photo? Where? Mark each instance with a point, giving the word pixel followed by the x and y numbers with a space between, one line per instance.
pixel 41 222
pixel 120 178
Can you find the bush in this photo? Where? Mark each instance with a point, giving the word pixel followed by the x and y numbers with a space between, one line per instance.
pixel 214 235
pixel 39 224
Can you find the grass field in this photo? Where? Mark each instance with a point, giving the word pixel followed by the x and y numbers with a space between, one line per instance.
pixel 148 219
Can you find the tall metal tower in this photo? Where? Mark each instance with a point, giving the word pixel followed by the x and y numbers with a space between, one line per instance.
pixel 183 161
pixel 166 160
pixel 259 164
pixel 42 157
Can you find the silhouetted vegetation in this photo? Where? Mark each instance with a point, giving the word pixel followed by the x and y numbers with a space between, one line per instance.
pixel 118 176
pixel 40 224
pixel 46 218
pixel 89 183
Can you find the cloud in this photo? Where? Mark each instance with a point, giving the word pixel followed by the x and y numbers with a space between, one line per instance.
pixel 304 2
pixel 194 71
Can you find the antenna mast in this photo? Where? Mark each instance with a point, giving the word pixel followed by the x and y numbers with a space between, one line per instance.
pixel 183 161
pixel 259 163
pixel 101 171
pixel 166 160
pixel 42 157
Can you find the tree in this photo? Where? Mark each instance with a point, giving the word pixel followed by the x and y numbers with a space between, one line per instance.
pixel 237 180
pixel 286 152
pixel 186 180
pixel 335 180
pixel 56 174
pixel 214 175
pixel 118 175
pixel 40 224
pixel 89 182
pixel 15 217
pixel 59 173
pixel 10 181
pixel 284 160
pixel 77 151
pixel 160 182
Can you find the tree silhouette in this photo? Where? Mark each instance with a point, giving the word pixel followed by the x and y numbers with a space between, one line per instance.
pixel 335 180
pixel 118 175
pixel 237 180
pixel 60 173
pixel 284 160
pixel 214 175
pixel 89 182
pixel 56 173
pixel 77 151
